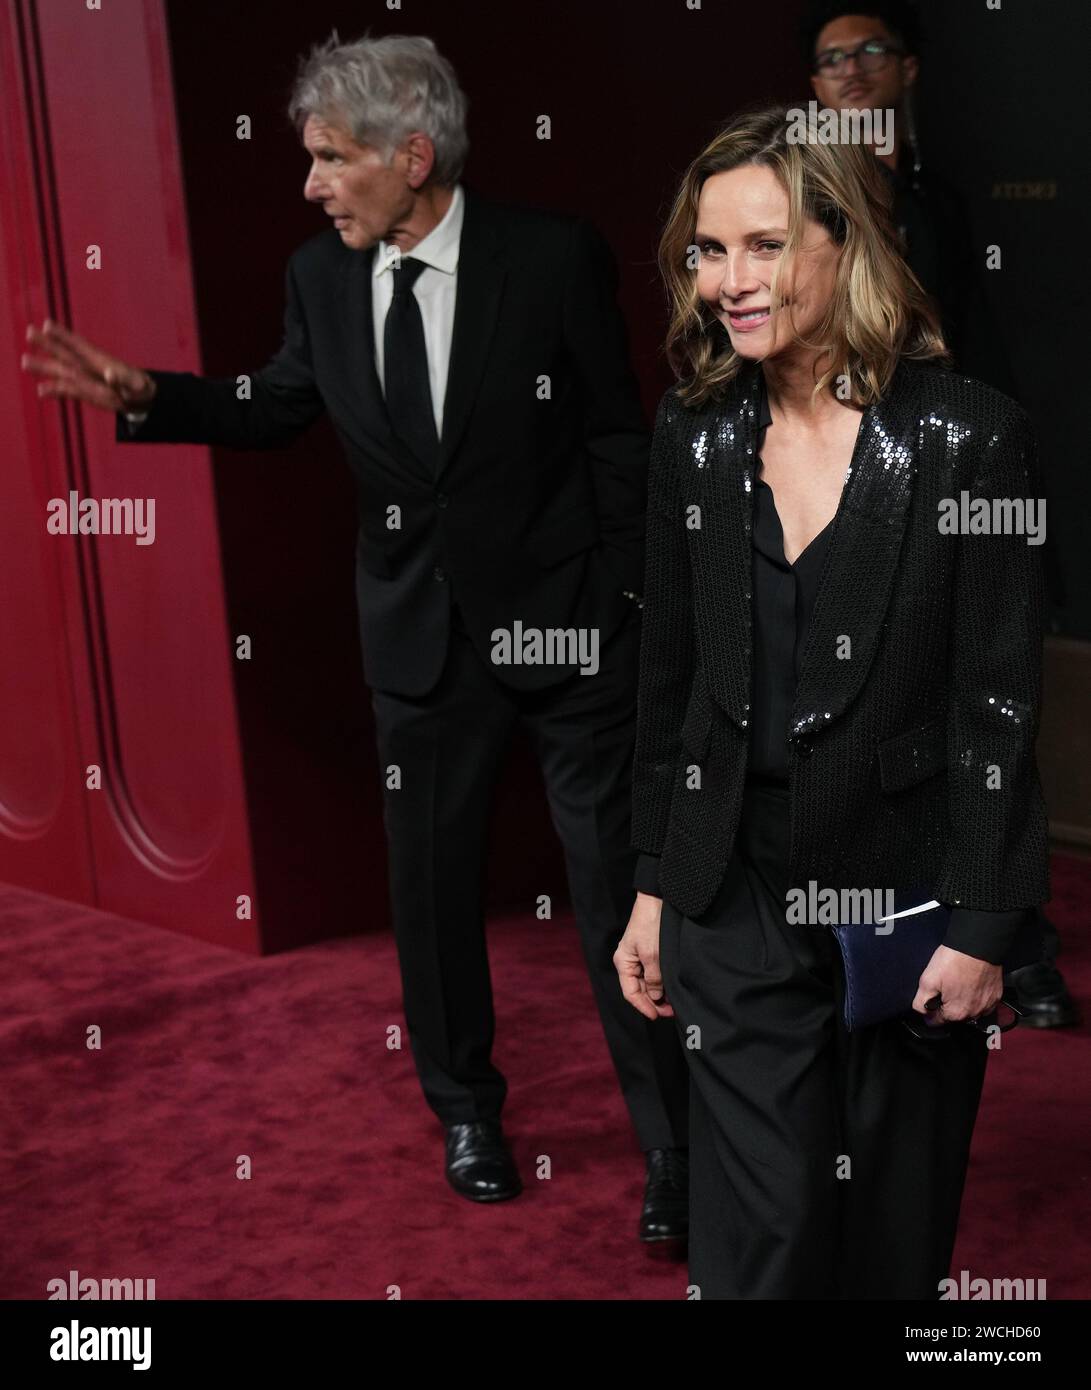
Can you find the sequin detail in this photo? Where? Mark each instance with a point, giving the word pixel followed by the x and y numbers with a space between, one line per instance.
pixel 895 750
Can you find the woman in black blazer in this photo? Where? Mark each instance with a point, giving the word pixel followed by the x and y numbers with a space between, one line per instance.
pixel 837 689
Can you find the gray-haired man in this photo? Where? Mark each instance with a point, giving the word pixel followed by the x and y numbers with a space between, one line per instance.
pixel 473 360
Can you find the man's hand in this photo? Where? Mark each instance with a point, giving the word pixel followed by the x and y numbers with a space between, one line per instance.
pixel 636 959
pixel 969 988
pixel 71 366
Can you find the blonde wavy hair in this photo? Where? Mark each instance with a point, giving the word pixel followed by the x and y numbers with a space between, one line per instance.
pixel 878 312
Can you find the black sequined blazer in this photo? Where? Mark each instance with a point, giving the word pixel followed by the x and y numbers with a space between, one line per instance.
pixel 894 752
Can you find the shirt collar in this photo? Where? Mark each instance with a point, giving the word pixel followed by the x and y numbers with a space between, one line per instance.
pixel 765 418
pixel 765 415
pixel 439 248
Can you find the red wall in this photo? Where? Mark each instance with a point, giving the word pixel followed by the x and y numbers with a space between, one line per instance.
pixel 115 655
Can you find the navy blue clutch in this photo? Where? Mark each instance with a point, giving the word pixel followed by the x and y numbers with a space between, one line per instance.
pixel 884 959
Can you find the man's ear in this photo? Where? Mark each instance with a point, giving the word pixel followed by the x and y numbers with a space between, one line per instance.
pixel 910 68
pixel 421 155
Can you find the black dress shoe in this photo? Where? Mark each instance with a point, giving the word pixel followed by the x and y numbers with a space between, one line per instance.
pixel 665 1215
pixel 1043 997
pixel 479 1165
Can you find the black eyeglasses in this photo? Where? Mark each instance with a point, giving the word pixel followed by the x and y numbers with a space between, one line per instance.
pixel 870 56
pixel 1004 1018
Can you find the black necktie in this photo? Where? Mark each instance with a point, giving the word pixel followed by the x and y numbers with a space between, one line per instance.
pixel 405 367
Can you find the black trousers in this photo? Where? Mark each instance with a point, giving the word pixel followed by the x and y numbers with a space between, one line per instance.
pixel 449 745
pixel 823 1164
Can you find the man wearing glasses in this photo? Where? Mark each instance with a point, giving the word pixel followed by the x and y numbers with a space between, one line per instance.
pixel 870 61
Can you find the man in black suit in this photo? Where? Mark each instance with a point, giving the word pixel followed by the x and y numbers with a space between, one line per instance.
pixel 473 360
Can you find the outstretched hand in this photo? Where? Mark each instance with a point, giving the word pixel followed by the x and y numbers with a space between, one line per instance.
pixel 71 366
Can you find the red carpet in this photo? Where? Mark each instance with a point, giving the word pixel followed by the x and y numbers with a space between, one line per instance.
pixel 122 1163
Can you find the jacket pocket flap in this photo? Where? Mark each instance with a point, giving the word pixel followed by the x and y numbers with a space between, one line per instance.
pixel 909 758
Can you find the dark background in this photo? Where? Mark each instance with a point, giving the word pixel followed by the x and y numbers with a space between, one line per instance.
pixel 633 91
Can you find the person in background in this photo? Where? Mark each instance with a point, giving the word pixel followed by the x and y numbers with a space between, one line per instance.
pixel 869 59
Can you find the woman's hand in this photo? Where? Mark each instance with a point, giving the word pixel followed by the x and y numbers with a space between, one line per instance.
pixel 71 366
pixel 969 988
pixel 636 959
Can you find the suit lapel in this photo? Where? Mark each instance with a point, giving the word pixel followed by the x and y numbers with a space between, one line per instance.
pixel 481 273
pixel 858 570
pixel 720 474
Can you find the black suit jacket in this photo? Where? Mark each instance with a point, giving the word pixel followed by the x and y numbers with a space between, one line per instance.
pixel 537 511
pixel 890 749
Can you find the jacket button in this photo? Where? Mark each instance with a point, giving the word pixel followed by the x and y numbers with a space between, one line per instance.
pixel 439 574
pixel 805 747
pixel 442 499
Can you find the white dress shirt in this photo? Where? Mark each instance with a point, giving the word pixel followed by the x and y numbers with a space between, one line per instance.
pixel 435 290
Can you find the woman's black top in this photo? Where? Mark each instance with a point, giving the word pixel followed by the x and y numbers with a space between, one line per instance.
pixel 784 596
pixel 783 599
